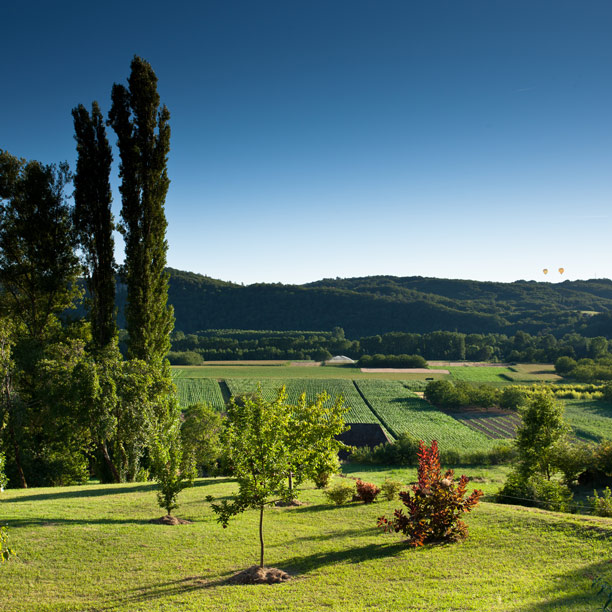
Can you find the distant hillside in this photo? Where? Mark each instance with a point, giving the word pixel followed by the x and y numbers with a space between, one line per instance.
pixel 378 304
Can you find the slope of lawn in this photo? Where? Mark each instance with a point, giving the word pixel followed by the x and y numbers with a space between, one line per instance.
pixel 91 549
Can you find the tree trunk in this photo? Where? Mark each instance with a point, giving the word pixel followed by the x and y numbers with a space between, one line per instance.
pixel 261 540
pixel 24 484
pixel 109 462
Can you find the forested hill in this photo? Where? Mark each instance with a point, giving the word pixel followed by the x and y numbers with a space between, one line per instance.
pixel 379 304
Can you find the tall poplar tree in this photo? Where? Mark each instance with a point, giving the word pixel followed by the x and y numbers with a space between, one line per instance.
pixel 143 138
pixel 93 220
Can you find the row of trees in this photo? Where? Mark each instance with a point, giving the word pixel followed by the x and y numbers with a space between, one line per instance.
pixel 522 347
pixel 69 399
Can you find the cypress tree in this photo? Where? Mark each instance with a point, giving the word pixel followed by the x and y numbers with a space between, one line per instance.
pixel 93 220
pixel 143 138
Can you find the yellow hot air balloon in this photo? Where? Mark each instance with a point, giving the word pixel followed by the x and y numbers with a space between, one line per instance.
pixel 545 270
pixel 561 270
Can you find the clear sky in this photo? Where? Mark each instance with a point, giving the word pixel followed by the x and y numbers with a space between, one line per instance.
pixel 324 138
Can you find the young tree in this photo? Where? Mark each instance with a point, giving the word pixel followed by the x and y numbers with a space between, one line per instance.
pixel 542 428
pixel 265 441
pixel 93 220
pixel 143 138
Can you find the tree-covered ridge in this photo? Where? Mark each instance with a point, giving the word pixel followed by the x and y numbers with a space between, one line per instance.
pixel 380 304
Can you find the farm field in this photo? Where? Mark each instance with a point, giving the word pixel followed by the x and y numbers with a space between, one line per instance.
pixel 590 419
pixel 493 423
pixel 359 411
pixel 91 548
pixel 480 374
pixel 401 411
pixel 197 390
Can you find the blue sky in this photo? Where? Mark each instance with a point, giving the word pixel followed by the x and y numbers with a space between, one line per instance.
pixel 312 139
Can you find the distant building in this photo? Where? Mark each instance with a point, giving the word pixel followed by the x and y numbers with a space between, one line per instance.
pixel 340 359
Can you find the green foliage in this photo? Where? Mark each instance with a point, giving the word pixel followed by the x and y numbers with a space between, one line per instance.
pixel 6 552
pixel 200 436
pixel 564 365
pixel 143 138
pixel 542 428
pixel 266 441
pixel 535 490
pixel 390 488
pixel 403 451
pixel 3 479
pixel 512 398
pixel 366 491
pixel 571 457
pixel 602 506
pixel 392 361
pixel 93 221
pixel 435 505
pixel 170 469
pixel 324 469
pixel 341 492
pixel 604 589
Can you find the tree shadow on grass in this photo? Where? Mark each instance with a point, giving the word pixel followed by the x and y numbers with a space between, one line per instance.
pixel 101 491
pixel 294 565
pixel 585 597
pixel 61 522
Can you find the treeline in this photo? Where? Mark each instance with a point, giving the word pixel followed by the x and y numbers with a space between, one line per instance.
pixel 221 345
pixel 380 304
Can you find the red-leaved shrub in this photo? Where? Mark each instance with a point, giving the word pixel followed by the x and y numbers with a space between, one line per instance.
pixel 435 504
pixel 366 491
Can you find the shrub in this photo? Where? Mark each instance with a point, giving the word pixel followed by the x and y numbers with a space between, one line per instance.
pixel 602 506
pixel 390 488
pixel 324 469
pixel 340 493
pixel 3 479
pixel 367 491
pixel 536 491
pixel 435 505
pixel 6 552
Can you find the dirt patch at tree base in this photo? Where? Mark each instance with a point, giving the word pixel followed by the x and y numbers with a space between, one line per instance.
pixel 170 520
pixel 289 504
pixel 260 575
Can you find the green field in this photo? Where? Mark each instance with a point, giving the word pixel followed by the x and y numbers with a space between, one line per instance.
pixel 358 413
pixel 480 374
pixel 199 390
pixel 401 411
pixel 590 419
pixel 91 548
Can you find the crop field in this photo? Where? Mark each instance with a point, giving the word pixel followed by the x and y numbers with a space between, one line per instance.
pixel 359 411
pixel 198 390
pixel 480 374
pixel 494 424
pixel 590 419
pixel 401 411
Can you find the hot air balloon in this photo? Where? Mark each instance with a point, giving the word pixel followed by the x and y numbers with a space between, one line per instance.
pixel 561 270
pixel 545 270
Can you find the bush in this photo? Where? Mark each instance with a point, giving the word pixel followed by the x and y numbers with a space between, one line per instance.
pixel 571 459
pixel 3 479
pixel 325 468
pixel 185 358
pixel 390 488
pixel 200 432
pixel 340 493
pixel 536 491
pixel 367 491
pixel 6 552
pixel 602 506
pixel 564 365
pixel 435 505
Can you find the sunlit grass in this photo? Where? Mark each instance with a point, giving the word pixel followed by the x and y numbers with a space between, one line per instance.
pixel 92 548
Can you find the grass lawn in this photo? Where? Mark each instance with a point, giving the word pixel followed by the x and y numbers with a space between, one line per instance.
pixel 91 548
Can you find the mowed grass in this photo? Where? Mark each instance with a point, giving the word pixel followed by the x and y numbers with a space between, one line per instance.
pixel 91 548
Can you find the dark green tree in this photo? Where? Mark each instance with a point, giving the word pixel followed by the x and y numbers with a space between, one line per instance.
pixel 143 138
pixel 93 220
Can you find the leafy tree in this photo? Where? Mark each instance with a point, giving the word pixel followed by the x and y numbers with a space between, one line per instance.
pixel 93 220
pixel 38 273
pixel 200 431
pixel 143 138
pixel 434 504
pixel 542 428
pixel 266 441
